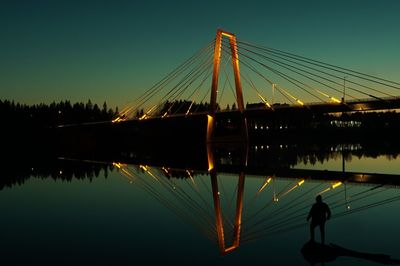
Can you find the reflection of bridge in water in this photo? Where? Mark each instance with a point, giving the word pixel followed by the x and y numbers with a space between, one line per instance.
pixel 215 201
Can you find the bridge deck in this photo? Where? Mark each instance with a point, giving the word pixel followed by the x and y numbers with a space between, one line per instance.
pixel 349 106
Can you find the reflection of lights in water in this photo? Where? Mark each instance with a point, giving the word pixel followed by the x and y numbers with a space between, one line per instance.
pixel 124 170
pixel 116 120
pixel 280 222
pixel 335 185
pixel 293 188
pixel 165 170
pixel 267 181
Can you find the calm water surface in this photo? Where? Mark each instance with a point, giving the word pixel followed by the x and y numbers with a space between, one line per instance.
pixel 145 215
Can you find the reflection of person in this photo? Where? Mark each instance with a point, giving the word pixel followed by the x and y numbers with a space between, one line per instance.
pixel 319 213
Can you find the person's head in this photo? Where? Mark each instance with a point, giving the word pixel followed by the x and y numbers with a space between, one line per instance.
pixel 318 198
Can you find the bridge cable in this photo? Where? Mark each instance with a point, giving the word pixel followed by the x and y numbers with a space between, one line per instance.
pixel 173 207
pixel 319 82
pixel 344 213
pixel 287 78
pixel 280 63
pixel 183 197
pixel 183 84
pixel 280 223
pixel 350 88
pixel 332 67
pixel 280 90
pixel 229 56
pixel 169 77
pixel 247 79
pixel 196 91
pixel 282 75
pixel 207 71
pixel 289 205
pixel 225 82
pixel 182 70
pixel 283 209
pixel 173 98
pixel 291 218
pixel 182 200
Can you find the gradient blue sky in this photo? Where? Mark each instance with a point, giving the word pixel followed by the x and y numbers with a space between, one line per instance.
pixel 114 50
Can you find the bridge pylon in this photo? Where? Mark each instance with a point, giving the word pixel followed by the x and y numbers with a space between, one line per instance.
pixel 214 86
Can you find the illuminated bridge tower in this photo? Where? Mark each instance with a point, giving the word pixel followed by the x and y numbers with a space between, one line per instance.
pixel 214 86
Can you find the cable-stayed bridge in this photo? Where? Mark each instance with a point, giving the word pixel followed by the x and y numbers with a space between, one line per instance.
pixel 273 77
pixel 209 90
pixel 217 79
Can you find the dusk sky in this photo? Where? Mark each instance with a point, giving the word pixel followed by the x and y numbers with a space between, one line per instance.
pixel 115 50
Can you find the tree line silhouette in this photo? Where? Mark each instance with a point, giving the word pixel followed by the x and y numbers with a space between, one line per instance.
pixel 43 115
pixel 181 107
pixel 45 167
pixel 65 112
pixel 376 120
pixel 48 166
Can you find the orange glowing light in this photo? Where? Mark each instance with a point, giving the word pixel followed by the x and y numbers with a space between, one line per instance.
pixel 267 181
pixel 335 100
pixel 210 127
pixel 336 185
pixel 165 170
pixel 324 191
pixel 117 120
pixel 227 34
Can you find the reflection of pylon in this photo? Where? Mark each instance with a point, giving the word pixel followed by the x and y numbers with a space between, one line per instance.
pixel 218 214
pixel 219 225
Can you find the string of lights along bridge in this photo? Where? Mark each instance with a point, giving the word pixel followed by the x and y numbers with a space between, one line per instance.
pixel 266 78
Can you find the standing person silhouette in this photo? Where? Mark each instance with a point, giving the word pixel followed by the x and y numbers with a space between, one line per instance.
pixel 319 213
